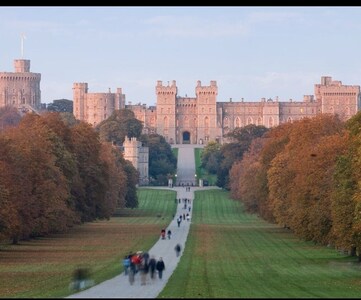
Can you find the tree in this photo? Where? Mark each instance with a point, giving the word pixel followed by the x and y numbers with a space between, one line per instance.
pixel 131 197
pixel 232 152
pixel 61 105
pixel 161 158
pixel 9 116
pixel 121 123
pixel 211 157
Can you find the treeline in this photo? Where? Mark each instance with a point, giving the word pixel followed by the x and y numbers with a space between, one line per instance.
pixel 306 176
pixel 55 173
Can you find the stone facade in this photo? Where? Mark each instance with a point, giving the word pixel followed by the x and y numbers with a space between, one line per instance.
pixel 95 107
pixel 20 88
pixel 200 119
pixel 139 157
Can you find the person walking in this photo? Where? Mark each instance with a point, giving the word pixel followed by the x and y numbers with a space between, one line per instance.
pixel 126 264
pixel 169 234
pixel 177 249
pixel 160 266
pixel 143 268
pixel 132 270
pixel 151 265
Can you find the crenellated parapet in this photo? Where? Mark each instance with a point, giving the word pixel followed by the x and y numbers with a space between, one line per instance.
pixel 160 89
pixel 212 89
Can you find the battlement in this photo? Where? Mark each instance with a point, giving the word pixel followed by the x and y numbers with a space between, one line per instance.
pixel 81 86
pixel 160 89
pixel 212 89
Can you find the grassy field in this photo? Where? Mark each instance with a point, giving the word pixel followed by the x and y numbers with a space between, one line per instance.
pixel 230 254
pixel 202 173
pixel 43 268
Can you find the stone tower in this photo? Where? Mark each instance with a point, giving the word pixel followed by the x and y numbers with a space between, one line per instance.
pixel 79 100
pixel 207 111
pixel 95 107
pixel 20 88
pixel 166 110
pixel 138 156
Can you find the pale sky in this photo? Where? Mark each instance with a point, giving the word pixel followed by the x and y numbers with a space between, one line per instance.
pixel 252 52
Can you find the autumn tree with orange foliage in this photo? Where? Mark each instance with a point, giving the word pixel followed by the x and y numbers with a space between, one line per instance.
pixel 346 197
pixel 37 188
pixel 301 177
pixel 54 175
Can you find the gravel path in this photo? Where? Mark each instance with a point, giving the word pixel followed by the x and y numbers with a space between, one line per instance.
pixel 119 286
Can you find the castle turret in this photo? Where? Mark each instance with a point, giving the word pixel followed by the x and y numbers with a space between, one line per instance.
pixel 207 111
pixel 80 89
pixel 166 110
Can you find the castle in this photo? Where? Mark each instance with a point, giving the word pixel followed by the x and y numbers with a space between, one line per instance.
pixel 200 119
pixel 185 120
pixel 20 88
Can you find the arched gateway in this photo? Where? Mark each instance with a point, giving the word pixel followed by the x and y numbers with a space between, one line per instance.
pixel 186 137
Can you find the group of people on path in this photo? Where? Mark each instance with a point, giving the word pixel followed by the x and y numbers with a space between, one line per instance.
pixel 143 264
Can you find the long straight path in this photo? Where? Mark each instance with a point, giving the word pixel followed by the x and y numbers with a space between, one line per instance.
pixel 119 286
pixel 186 170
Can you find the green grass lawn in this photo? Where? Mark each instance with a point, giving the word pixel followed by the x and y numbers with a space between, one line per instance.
pixel 230 254
pixel 43 268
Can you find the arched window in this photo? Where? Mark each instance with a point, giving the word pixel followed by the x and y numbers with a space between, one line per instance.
pixel 249 121
pixel 226 122
pixel 206 122
pixel 270 122
pixel 237 122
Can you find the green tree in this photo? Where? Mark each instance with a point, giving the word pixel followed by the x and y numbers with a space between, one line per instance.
pixel 211 157
pixel 121 123
pixel 162 161
pixel 231 152
pixel 61 105
pixel 131 197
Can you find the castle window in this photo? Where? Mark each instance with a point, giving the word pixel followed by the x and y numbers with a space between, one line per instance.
pixel 237 122
pixel 206 122
pixel 226 122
